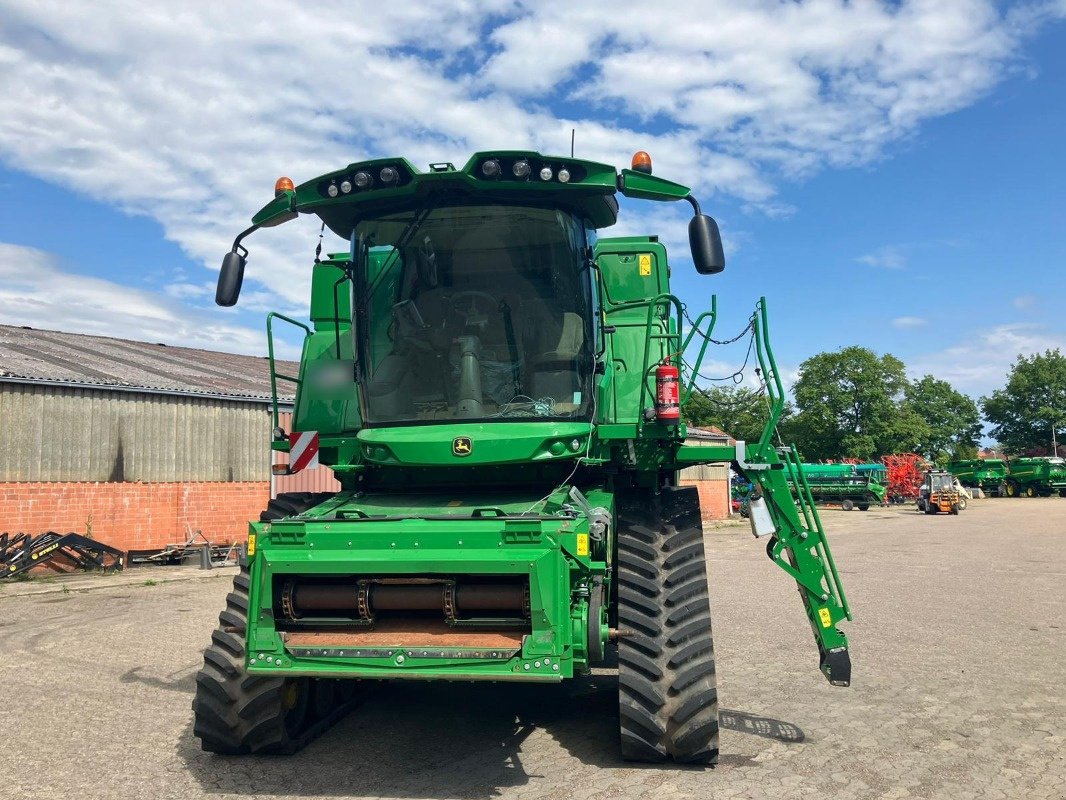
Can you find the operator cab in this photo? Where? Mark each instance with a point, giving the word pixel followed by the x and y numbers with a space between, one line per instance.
pixel 473 312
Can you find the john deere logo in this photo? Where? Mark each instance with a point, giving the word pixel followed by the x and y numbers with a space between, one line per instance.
pixel 462 446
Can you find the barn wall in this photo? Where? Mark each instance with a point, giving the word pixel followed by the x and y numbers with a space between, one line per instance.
pixel 134 516
pixel 55 433
pixel 712 483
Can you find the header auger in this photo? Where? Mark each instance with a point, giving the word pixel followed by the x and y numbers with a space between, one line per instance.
pixel 497 391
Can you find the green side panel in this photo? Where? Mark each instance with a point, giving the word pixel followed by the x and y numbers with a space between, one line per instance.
pixel 634 272
pixel 327 396
pixel 627 277
pixel 326 400
pixel 1051 472
pixel 324 277
pixel 979 472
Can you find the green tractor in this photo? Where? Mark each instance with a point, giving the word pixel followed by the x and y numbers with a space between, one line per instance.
pixel 498 392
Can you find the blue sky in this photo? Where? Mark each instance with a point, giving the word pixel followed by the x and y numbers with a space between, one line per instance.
pixel 888 175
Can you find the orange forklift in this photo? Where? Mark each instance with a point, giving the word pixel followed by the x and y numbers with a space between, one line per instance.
pixel 938 493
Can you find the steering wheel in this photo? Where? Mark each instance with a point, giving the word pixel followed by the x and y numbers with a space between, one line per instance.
pixel 475 300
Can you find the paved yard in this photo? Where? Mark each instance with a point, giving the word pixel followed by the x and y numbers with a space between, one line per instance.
pixel 959 687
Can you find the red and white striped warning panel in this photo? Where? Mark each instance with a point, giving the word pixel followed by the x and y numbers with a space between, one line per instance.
pixel 303 450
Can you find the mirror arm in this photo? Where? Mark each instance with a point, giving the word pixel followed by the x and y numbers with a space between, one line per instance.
pixel 237 242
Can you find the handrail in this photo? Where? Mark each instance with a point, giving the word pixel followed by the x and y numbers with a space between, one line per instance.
pixel 274 374
pixel 789 456
pixel 678 342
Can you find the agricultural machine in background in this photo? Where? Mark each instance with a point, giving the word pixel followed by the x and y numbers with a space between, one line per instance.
pixel 905 474
pixel 844 484
pixel 988 475
pixel 1036 477
pixel 498 392
pixel 1040 476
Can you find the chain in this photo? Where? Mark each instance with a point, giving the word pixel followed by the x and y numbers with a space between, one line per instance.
pixel 749 327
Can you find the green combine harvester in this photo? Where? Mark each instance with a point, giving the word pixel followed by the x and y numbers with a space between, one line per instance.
pixel 843 484
pixel 498 392
pixel 989 475
pixel 1037 477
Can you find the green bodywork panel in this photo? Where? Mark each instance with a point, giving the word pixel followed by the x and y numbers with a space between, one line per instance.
pixel 515 498
pixel 1047 473
pixel 437 534
pixel 987 473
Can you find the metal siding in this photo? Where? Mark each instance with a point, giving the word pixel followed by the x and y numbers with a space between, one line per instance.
pixel 72 434
pixel 706 472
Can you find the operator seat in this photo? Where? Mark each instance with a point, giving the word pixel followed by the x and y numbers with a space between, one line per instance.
pixel 556 372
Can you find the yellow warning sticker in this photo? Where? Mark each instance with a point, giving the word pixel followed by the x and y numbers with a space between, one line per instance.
pixel 823 615
pixel 251 544
pixel 582 544
pixel 644 260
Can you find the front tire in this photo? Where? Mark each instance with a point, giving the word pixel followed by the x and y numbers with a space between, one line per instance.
pixel 847 505
pixel 235 712
pixel 667 687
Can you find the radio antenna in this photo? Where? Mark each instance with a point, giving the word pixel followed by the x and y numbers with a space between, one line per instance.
pixel 572 132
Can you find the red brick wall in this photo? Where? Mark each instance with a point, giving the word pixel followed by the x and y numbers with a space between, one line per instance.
pixel 134 516
pixel 713 496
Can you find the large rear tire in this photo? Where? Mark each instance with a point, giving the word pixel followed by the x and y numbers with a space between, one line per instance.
pixel 236 713
pixel 667 690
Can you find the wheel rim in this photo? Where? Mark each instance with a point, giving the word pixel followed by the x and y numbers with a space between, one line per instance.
pixel 294 700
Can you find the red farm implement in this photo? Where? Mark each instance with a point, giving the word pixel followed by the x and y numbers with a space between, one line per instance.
pixel 905 474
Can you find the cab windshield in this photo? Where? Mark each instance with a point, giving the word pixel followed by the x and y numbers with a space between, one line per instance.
pixel 474 313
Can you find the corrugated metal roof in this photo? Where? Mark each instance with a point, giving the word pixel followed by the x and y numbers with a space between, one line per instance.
pixel 29 354
pixel 709 432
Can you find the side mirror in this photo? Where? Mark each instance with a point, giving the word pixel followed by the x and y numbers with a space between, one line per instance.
pixel 706 244
pixel 230 278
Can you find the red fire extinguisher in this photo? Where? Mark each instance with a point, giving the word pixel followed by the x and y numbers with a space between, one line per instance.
pixel 667 401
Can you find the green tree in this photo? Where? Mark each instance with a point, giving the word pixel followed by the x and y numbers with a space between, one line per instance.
pixel 953 421
pixel 851 403
pixel 739 411
pixel 1031 405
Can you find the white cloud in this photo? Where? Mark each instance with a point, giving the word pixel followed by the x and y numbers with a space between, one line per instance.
pixel 909 322
pixel 187 113
pixel 35 291
pixel 981 362
pixel 885 257
pixel 1024 302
